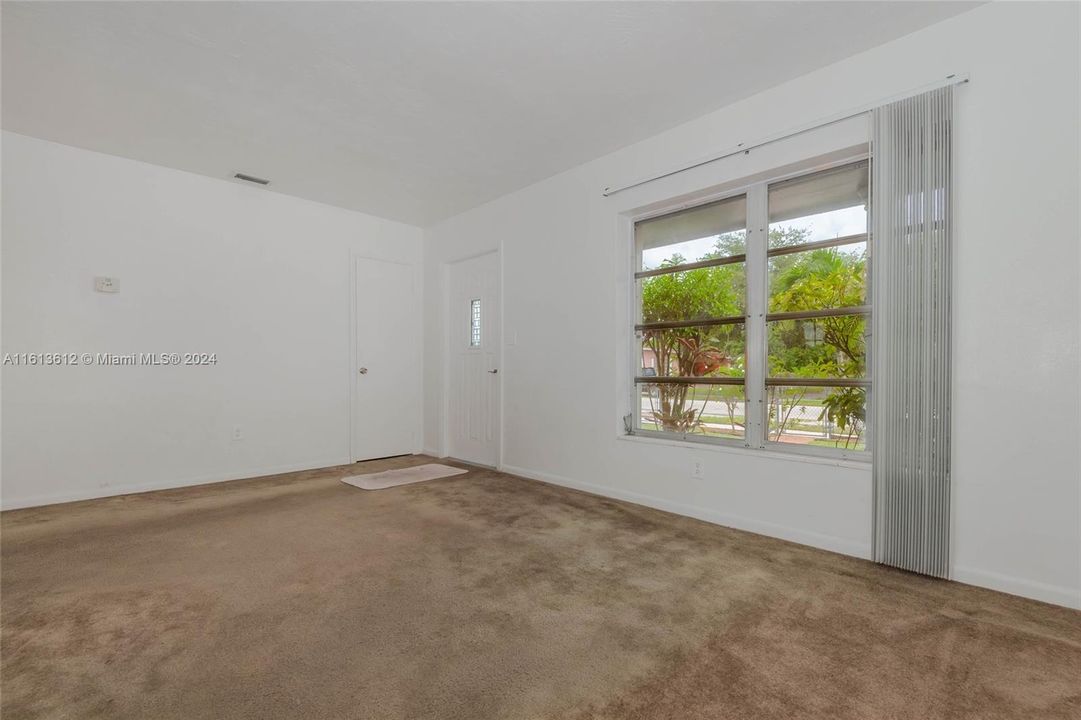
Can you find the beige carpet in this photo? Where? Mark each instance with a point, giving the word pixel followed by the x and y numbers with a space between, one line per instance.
pixel 402 476
pixel 488 596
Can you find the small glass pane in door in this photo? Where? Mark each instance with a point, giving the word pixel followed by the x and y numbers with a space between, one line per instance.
pixel 474 323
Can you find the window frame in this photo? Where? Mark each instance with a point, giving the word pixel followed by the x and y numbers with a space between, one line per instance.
pixel 756 317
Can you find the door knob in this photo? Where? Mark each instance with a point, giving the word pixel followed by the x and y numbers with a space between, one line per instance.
pixel 364 371
pixel 493 371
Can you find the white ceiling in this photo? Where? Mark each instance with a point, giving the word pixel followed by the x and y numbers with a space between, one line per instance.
pixel 409 111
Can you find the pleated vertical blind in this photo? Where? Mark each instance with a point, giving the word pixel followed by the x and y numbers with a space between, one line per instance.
pixel 910 337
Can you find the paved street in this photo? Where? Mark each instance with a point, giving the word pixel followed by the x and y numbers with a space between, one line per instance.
pixel 716 408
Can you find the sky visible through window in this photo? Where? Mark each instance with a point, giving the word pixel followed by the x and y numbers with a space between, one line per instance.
pixel 823 226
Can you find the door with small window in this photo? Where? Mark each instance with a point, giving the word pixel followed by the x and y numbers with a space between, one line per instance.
pixel 473 383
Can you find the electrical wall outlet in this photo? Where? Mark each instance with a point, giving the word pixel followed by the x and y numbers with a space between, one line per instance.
pixel 238 433
pixel 106 284
pixel 696 469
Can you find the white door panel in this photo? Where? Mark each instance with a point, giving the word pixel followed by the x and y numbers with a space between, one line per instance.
pixel 387 372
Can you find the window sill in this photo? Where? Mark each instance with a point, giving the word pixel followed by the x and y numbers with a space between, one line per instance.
pixel 796 457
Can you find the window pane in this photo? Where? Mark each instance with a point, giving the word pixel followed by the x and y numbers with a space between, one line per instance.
pixel 831 417
pixel 829 347
pixel 474 323
pixel 690 251
pixel 819 279
pixel 706 410
pixel 716 351
pixel 822 206
pixel 699 233
pixel 700 294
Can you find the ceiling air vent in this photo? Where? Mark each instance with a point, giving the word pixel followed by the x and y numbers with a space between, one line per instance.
pixel 251 178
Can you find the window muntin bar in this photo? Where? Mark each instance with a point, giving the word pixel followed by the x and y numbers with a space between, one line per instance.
pixel 669 324
pixel 811 314
pixel 670 269
pixel 818 382
pixel 818 245
pixel 675 380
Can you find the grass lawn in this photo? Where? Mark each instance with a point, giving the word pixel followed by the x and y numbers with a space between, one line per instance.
pixel 838 444
pixel 699 393
pixel 709 432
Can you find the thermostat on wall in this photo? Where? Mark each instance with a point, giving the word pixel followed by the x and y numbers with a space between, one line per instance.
pixel 106 284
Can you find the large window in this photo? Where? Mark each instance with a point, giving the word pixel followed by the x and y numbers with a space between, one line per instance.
pixel 752 314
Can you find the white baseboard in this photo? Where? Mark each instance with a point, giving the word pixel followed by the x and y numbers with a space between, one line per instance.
pixel 1054 594
pixel 803 537
pixel 114 490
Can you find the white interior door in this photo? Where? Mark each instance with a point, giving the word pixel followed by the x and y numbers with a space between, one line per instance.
pixel 473 387
pixel 386 372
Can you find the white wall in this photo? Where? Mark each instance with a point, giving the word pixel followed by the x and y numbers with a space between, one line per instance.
pixel 1017 414
pixel 261 279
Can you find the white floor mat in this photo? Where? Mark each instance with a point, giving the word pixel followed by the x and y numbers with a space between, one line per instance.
pixel 403 476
